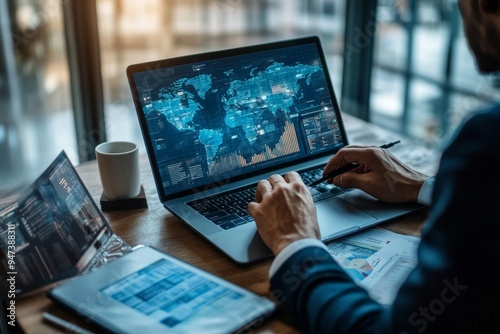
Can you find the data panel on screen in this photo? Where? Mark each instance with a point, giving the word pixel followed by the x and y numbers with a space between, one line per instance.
pixel 220 118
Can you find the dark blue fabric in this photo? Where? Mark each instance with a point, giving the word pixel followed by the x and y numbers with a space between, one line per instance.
pixel 453 289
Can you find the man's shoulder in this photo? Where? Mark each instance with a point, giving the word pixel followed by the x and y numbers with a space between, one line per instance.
pixel 490 113
pixel 481 124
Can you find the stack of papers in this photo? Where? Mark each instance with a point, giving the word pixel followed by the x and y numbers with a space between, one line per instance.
pixel 377 259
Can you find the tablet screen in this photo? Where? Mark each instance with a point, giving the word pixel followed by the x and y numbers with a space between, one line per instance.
pixel 169 293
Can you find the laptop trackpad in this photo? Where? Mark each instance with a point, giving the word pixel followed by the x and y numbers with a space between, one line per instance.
pixel 337 218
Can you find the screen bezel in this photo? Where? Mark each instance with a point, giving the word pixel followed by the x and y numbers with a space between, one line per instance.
pixel 164 64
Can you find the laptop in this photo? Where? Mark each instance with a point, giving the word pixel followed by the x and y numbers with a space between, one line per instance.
pixel 216 123
pixel 54 231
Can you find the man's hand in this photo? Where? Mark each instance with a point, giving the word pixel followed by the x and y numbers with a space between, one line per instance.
pixel 380 174
pixel 284 211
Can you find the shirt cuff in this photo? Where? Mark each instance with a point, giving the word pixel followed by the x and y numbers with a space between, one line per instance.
pixel 291 249
pixel 425 194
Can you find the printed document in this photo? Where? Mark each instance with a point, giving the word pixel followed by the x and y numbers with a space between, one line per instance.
pixel 377 259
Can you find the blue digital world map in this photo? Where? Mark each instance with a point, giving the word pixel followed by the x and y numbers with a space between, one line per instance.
pixel 217 119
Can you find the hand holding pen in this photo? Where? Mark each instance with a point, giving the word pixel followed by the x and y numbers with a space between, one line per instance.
pixel 380 173
pixel 347 167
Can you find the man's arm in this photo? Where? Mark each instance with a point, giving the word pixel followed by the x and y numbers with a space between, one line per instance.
pixel 322 298
pixel 304 277
pixel 424 198
pixel 446 292
pixel 309 283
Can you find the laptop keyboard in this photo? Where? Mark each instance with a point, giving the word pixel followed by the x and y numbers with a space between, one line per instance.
pixel 114 247
pixel 230 210
pixel 226 211
pixel 323 190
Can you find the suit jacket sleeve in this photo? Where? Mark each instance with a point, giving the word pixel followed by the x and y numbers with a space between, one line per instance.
pixel 450 289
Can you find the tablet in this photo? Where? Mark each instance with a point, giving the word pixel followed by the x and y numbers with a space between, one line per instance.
pixel 153 291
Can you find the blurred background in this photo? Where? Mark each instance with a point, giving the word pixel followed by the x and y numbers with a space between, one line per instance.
pixel 401 64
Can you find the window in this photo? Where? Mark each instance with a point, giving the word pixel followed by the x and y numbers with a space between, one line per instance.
pixel 424 79
pixel 137 31
pixel 36 119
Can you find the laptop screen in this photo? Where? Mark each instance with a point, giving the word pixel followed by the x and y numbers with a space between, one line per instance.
pixel 49 229
pixel 231 113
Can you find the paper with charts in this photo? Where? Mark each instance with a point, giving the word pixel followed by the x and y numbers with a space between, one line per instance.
pixel 377 259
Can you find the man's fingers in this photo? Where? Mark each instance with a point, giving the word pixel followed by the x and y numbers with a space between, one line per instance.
pixel 338 159
pixel 275 179
pixel 252 206
pixel 263 187
pixel 350 180
pixel 293 177
pixel 347 155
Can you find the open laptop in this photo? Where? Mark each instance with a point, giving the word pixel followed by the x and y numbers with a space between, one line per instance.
pixel 54 231
pixel 216 123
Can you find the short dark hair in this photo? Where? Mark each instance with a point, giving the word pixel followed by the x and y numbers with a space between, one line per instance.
pixel 493 6
pixel 475 6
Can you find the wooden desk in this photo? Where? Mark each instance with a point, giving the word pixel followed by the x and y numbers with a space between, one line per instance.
pixel 156 227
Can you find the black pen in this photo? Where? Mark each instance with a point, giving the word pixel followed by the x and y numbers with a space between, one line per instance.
pixel 347 167
pixel 66 325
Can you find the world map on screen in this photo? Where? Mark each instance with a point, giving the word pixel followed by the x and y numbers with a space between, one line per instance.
pixel 221 117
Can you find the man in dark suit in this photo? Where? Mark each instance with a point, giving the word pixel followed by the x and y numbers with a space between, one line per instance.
pixel 453 288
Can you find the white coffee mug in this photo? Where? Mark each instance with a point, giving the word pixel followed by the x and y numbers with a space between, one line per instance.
pixel 118 163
